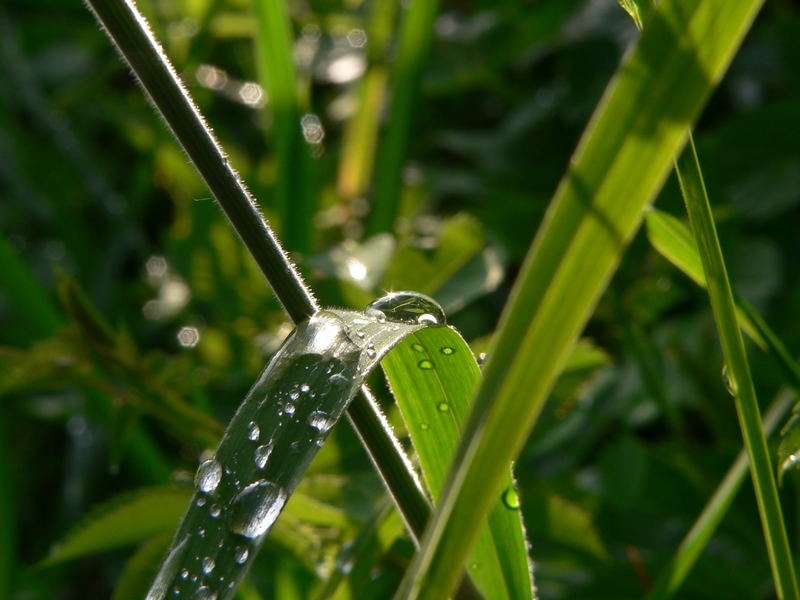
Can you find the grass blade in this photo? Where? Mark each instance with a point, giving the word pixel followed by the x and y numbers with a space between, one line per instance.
pixel 129 31
pixel 673 576
pixel 741 383
pixel 433 375
pixel 270 442
pixel 416 35
pixel 618 167
pixel 292 193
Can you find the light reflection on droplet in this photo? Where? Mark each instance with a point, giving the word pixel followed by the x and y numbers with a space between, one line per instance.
pixel 256 507
pixel 188 337
pixel 208 476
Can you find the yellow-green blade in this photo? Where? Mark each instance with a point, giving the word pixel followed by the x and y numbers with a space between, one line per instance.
pixel 433 375
pixel 619 166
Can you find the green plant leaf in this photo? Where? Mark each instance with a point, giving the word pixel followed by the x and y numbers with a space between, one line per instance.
pixel 273 436
pixel 124 520
pixel 142 566
pixel 433 375
pixel 620 164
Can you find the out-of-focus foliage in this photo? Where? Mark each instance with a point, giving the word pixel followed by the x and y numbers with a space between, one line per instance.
pixel 174 321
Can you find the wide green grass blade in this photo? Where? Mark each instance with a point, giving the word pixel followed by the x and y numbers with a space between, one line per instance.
pixel 292 192
pixel 672 577
pixel 620 164
pixel 272 438
pixel 415 38
pixel 738 371
pixel 433 375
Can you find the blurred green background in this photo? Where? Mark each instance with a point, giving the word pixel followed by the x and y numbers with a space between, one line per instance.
pixel 162 318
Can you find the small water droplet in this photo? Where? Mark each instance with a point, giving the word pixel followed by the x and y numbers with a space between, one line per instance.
pixel 253 431
pixel 425 364
pixel 240 555
pixel 184 573
pixel 289 408
pixel 443 407
pixel 214 510
pixel 424 426
pixel 418 347
pixel 201 501
pixel 261 455
pixel 407 307
pixel 304 388
pixel 730 384
pixel 294 395
pixel 447 350
pixel 204 593
pixel 360 333
pixel 201 532
pixel 482 358
pixel 255 508
pixel 208 476
pixel 320 421
pixel 474 566
pixel 208 565
pixel 371 351
pixel 510 498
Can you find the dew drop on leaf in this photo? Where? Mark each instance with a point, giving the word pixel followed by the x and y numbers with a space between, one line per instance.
pixel 261 455
pixel 184 573
pixel 425 365
pixel 424 426
pixel 443 407
pixel 418 347
pixel 208 565
pixel 208 476
pixel 511 498
pixel 289 408
pixel 240 554
pixel 255 508
pixel 447 350
pixel 304 389
pixel 253 431
pixel 214 510
pixel 320 421
pixel 407 307
pixel 204 593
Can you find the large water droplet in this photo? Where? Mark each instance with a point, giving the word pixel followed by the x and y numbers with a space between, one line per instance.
pixel 255 508
pixel 320 421
pixel 204 593
pixel 289 408
pixel 510 498
pixel 240 554
pixel 253 431
pixel 425 365
pixel 261 455
pixel 447 350
pixel 208 565
pixel 208 476
pixel 407 307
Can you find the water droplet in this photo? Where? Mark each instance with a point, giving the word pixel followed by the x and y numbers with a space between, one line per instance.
pixel 208 565
pixel 294 395
pixel 201 532
pixel 425 364
pixel 371 351
pixel 204 593
pixel 184 573
pixel 240 555
pixel 255 508
pixel 447 350
pixel 424 426
pixel 482 358
pixel 730 384
pixel 510 498
pixel 407 307
pixel 208 476
pixel 214 510
pixel 201 501
pixel 418 347
pixel 360 333
pixel 304 389
pixel 320 421
pixel 289 408
pixel 253 431
pixel 261 455
pixel 443 407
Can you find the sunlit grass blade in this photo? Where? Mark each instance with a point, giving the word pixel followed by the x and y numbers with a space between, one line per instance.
pixel 292 192
pixel 619 165
pixel 433 375
pixel 415 38
pixel 128 30
pixel 273 436
pixel 672 577
pixel 361 133
pixel 738 371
